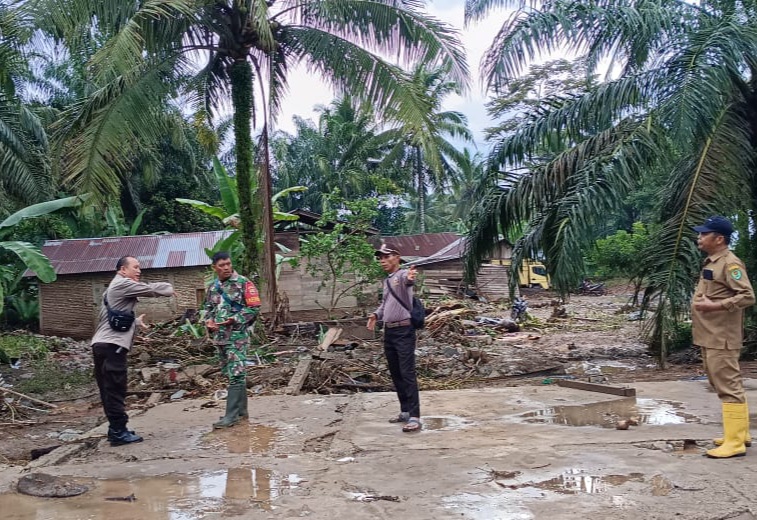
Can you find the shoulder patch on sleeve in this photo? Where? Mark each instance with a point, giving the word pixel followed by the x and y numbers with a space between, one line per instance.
pixel 735 271
pixel 251 296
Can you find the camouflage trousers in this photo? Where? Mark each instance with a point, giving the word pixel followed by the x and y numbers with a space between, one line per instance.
pixel 233 358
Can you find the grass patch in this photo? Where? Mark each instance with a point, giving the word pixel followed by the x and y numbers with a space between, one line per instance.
pixel 50 377
pixel 22 346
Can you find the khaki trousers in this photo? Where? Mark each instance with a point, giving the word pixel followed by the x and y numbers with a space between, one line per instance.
pixel 722 369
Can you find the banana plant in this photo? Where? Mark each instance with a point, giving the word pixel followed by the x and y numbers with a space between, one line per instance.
pixel 115 219
pixel 30 255
pixel 228 212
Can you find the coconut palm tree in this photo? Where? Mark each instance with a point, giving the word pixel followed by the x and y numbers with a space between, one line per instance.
pixel 422 147
pixel 151 46
pixel 684 101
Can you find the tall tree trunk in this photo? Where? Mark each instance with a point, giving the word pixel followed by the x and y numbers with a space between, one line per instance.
pixel 421 190
pixel 241 99
pixel 269 252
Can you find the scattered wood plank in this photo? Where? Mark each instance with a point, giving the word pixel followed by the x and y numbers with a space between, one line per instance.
pixel 299 376
pixel 32 399
pixel 330 337
pixel 154 399
pixel 595 387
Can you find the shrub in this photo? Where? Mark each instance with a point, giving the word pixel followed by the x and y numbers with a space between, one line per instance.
pixel 618 254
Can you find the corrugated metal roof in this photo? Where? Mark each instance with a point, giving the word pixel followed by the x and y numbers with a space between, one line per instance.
pixel 421 245
pixel 95 255
pixel 453 251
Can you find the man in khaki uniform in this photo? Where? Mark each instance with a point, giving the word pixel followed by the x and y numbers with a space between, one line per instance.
pixel 717 314
pixel 110 347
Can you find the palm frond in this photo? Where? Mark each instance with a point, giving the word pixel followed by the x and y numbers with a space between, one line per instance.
pixel 352 69
pixel 102 134
pixel 599 28
pixel 697 189
pixel 390 27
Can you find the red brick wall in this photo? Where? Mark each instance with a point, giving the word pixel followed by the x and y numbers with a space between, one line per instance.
pixel 69 306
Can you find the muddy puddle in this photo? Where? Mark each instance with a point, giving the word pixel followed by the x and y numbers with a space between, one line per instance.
pixel 485 507
pixel 445 423
pixel 244 438
pixel 510 498
pixel 605 414
pixel 575 481
pixel 232 492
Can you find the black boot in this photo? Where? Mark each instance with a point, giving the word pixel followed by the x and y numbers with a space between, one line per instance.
pixel 121 436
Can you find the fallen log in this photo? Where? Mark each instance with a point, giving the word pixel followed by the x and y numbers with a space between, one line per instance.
pixel 595 387
pixel 154 399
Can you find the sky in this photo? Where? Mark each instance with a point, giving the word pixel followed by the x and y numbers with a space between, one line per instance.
pixel 306 91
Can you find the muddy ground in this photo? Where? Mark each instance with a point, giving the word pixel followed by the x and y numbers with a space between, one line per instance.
pixel 501 439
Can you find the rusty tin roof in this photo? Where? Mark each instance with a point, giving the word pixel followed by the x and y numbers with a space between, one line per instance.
pixel 96 255
pixel 421 245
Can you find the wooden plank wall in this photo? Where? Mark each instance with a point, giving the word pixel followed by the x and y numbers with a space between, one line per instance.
pixel 442 279
pixel 446 279
pixel 493 282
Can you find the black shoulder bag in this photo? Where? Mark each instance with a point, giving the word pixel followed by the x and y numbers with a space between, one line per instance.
pixel 417 313
pixel 120 321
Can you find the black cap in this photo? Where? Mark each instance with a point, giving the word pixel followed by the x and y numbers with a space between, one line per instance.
pixel 716 224
pixel 386 249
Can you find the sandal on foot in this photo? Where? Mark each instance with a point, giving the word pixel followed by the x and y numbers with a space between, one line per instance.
pixel 413 425
pixel 401 418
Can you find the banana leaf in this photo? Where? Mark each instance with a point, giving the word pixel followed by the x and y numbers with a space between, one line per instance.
pixel 43 208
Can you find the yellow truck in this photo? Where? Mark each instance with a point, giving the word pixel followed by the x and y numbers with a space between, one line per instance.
pixel 531 274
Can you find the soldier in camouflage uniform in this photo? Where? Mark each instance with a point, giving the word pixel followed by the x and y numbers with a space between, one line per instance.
pixel 232 304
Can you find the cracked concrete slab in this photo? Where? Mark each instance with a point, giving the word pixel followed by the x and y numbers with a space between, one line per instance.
pixel 493 453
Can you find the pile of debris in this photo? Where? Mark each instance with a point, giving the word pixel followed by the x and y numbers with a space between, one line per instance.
pixel 457 348
pixel 463 345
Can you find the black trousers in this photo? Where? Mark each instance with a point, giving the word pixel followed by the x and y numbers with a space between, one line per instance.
pixel 399 348
pixel 111 377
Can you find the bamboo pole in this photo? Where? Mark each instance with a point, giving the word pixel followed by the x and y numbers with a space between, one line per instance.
pixel 32 399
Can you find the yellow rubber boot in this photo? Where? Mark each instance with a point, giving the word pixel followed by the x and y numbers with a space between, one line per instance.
pixel 735 425
pixel 747 439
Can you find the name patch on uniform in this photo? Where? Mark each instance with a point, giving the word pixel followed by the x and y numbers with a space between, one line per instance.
pixel 735 271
